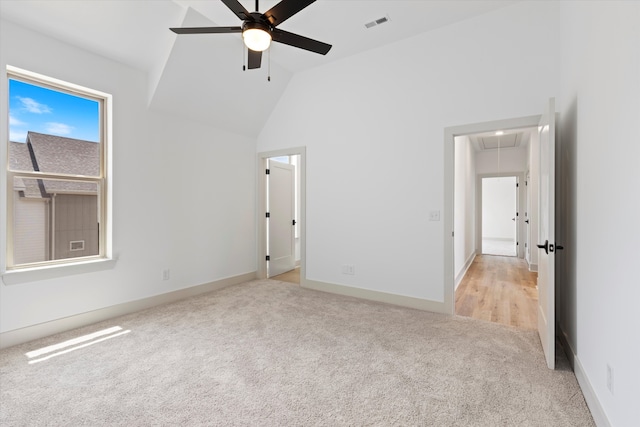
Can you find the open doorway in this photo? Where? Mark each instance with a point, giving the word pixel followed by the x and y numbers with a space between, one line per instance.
pixel 492 280
pixel 281 216
pixel 500 215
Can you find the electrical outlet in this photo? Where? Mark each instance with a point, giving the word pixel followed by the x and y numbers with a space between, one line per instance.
pixel 165 274
pixel 610 378
pixel 434 216
pixel 348 269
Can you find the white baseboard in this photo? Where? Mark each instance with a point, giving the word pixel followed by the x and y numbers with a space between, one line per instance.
pixel 533 268
pixel 464 270
pixel 29 333
pixel 401 300
pixel 564 341
pixel 597 412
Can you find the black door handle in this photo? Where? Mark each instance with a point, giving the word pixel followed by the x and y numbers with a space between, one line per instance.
pixel 545 246
pixel 527 221
pixel 513 219
pixel 550 247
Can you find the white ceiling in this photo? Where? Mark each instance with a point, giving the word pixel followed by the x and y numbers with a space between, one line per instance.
pixel 200 76
pixel 513 138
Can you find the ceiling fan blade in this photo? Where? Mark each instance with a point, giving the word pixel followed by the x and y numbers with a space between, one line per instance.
pixel 285 10
pixel 255 59
pixel 301 42
pixel 206 30
pixel 238 9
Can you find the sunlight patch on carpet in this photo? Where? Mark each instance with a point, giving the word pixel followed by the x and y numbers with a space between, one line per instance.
pixel 77 343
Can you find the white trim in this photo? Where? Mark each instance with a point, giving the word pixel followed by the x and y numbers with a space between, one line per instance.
pixel 464 269
pixel 104 181
pixel 597 412
pixel 261 202
pixel 449 170
pixel 19 336
pixel 48 81
pixel 33 274
pixel 521 194
pixel 564 341
pixel 533 268
pixel 367 294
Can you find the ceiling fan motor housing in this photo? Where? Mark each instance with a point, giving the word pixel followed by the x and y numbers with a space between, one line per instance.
pixel 256 25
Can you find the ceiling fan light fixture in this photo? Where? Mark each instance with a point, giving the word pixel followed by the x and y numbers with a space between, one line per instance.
pixel 256 36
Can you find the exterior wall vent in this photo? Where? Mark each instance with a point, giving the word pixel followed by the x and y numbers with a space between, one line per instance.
pixel 76 245
pixel 378 21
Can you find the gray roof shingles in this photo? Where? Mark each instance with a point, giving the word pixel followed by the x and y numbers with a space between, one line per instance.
pixel 55 154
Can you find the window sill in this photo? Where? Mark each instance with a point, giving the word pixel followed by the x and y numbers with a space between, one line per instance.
pixel 15 277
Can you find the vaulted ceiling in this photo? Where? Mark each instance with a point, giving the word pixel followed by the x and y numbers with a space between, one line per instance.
pixel 200 76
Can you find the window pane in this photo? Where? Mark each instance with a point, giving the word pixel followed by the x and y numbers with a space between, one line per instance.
pixel 52 131
pixel 54 219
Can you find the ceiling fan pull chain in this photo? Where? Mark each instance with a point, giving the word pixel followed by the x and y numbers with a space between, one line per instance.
pixel 244 60
pixel 269 74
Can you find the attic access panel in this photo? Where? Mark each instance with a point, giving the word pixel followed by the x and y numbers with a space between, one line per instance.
pixel 502 141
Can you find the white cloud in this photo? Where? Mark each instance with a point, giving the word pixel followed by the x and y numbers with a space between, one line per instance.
pixel 33 106
pixel 58 128
pixel 17 135
pixel 15 122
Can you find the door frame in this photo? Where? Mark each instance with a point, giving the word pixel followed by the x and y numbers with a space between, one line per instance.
pixel 261 204
pixel 281 176
pixel 520 198
pixel 449 190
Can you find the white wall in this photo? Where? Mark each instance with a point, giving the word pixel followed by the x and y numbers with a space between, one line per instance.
pixel 464 206
pixel 498 207
pixel 373 126
pixel 183 193
pixel 598 205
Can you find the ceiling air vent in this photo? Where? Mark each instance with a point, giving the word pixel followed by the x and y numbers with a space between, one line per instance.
pixel 377 22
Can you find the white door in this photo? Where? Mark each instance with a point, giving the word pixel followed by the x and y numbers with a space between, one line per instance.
pixel 516 219
pixel 547 250
pixel 527 221
pixel 281 243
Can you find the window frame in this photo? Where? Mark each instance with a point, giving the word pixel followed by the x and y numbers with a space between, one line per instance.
pixel 103 182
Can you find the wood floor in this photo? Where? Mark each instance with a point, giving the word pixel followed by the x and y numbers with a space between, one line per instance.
pixel 499 289
pixel 292 276
pixel 496 288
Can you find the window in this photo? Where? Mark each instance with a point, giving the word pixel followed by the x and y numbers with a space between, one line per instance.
pixel 57 204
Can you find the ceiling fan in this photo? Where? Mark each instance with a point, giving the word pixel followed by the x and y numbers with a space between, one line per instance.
pixel 259 29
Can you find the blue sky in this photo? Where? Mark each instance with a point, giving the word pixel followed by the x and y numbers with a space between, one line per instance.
pixel 38 109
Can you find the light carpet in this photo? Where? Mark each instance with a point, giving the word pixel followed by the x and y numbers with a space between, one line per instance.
pixel 271 353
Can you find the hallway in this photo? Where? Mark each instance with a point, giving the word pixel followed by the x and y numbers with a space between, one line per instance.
pixel 292 276
pixel 499 289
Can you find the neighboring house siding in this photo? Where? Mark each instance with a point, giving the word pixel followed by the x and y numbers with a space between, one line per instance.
pixel 30 228
pixel 76 219
pixel 49 214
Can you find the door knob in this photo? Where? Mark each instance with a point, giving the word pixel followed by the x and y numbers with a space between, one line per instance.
pixel 513 219
pixel 527 221
pixel 545 246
